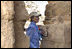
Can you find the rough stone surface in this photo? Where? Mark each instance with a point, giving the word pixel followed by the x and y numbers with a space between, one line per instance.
pixel 67 34
pixel 20 11
pixel 61 9
pixel 59 35
pixel 58 22
pixel 13 17
pixel 7 26
pixel 55 36
pixel 21 15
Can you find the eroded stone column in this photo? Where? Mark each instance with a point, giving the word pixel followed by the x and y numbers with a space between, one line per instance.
pixel 21 15
pixel 7 26
pixel 58 25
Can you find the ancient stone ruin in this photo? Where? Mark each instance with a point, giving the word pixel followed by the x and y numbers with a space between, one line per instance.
pixel 13 17
pixel 57 23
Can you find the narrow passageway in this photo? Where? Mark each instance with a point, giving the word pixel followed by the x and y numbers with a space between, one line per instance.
pixel 55 20
pixel 37 6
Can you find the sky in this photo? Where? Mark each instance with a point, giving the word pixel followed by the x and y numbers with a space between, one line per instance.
pixel 39 4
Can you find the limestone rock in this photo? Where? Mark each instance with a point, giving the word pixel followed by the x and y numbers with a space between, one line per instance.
pixel 7 26
pixel 21 15
pixel 20 11
pixel 58 22
pixel 58 9
pixel 59 36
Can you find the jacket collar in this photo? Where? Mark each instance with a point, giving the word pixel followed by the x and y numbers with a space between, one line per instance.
pixel 33 23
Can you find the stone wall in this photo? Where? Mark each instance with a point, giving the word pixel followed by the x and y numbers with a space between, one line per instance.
pixel 21 15
pixel 13 18
pixel 58 25
pixel 7 26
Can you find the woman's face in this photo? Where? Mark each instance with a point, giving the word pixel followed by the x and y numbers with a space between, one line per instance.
pixel 36 19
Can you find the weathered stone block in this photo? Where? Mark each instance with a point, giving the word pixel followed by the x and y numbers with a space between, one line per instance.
pixel 59 36
pixel 7 27
pixel 58 9
pixel 20 11
pixel 21 15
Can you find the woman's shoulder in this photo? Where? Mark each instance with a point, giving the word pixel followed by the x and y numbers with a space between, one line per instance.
pixel 32 26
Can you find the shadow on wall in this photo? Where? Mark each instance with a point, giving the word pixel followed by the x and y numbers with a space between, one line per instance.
pixel 21 15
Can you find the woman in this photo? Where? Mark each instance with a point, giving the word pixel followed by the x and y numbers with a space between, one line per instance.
pixel 33 31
